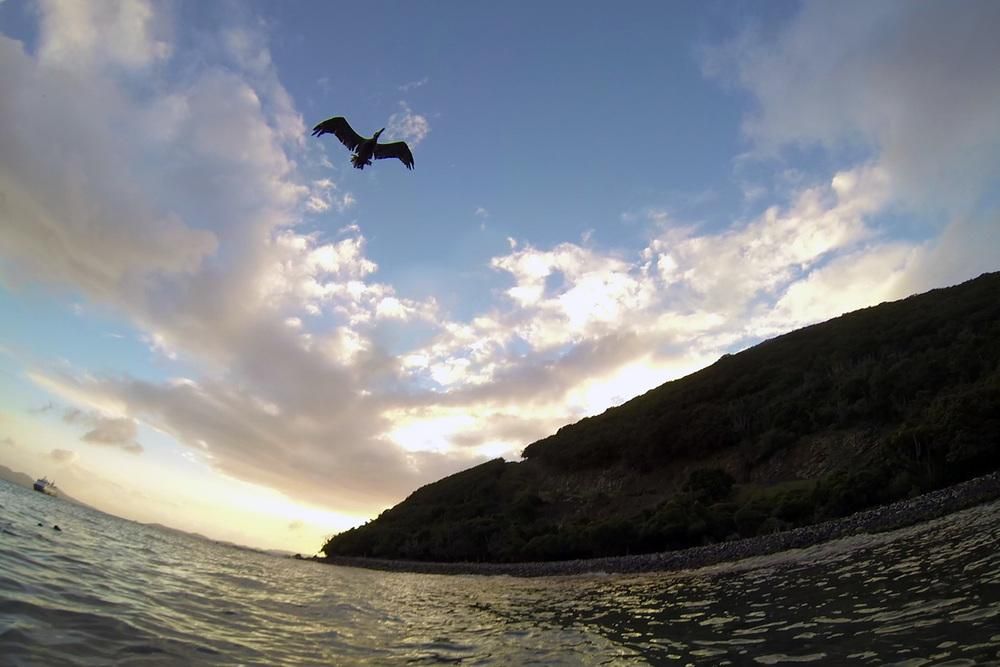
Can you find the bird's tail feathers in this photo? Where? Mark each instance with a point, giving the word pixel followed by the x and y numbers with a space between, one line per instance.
pixel 358 162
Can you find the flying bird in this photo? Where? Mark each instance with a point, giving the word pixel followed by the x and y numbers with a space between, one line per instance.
pixel 364 149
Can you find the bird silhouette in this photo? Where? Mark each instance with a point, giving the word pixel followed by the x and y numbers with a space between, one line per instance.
pixel 364 149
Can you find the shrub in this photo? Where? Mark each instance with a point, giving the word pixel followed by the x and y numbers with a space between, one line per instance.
pixel 709 485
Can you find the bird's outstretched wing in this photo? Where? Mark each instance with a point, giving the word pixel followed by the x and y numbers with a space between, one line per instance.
pixel 338 127
pixel 397 149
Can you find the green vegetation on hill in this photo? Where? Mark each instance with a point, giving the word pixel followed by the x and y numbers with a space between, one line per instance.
pixel 871 407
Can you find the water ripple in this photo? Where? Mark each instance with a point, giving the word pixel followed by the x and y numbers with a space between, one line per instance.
pixel 108 591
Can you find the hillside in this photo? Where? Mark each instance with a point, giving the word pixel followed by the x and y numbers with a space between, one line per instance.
pixel 21 479
pixel 15 477
pixel 873 406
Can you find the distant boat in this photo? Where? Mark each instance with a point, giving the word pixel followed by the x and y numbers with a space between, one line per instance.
pixel 43 485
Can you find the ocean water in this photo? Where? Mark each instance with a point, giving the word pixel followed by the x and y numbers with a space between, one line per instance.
pixel 107 591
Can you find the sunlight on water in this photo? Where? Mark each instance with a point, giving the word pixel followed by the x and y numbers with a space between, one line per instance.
pixel 107 591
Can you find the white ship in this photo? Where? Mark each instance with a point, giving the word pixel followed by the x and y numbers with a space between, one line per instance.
pixel 43 485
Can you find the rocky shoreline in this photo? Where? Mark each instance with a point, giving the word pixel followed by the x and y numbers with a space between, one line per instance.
pixel 876 520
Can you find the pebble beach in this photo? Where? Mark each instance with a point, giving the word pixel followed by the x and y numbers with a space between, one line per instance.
pixel 878 519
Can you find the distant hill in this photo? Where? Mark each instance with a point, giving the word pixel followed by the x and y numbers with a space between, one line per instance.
pixel 178 531
pixel 15 477
pixel 873 406
pixel 204 538
pixel 28 482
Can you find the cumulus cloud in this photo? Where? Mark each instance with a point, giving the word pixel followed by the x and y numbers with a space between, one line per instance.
pixel 778 246
pixel 129 204
pixel 118 432
pixel 248 48
pixel 914 82
pixel 324 195
pixel 571 291
pixel 407 125
pixel 584 328
pixel 84 34
pixel 912 85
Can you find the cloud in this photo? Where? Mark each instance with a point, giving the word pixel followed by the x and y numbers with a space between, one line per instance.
pixel 407 125
pixel 324 195
pixel 583 328
pixel 969 245
pixel 411 85
pixel 184 206
pixel 8 441
pixel 64 456
pixel 571 292
pixel 118 432
pixel 778 246
pixel 916 83
pixel 913 88
pixel 113 33
pixel 73 212
pixel 321 445
pixel 247 47
pixel 211 154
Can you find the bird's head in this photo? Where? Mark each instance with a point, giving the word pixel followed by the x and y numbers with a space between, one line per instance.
pixel 379 132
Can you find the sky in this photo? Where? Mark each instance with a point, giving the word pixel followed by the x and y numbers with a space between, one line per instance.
pixel 208 319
